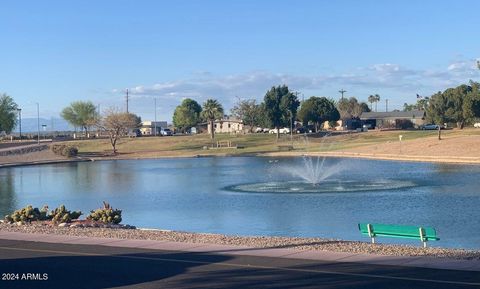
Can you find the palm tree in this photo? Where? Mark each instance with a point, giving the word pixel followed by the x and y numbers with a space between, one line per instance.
pixel 212 110
pixel 377 99
pixel 371 99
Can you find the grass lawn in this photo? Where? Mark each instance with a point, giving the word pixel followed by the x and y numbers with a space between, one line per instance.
pixel 256 143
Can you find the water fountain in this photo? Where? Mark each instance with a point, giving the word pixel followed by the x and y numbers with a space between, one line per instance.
pixel 315 175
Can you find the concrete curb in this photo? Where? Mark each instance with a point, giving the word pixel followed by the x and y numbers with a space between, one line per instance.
pixel 408 261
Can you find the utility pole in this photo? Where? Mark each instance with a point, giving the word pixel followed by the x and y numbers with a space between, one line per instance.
pixel 127 99
pixel 38 123
pixel 342 91
pixel 155 122
pixel 386 105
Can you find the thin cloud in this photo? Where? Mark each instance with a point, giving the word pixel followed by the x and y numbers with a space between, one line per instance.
pixel 388 78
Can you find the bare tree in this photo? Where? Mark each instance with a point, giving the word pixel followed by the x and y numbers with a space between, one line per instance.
pixel 117 124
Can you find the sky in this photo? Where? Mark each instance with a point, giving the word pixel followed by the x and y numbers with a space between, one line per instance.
pixel 57 52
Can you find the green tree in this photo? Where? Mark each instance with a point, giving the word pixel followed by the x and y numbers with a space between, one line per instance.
pixel 187 114
pixel 212 110
pixel 263 120
pixel 421 104
pixel 117 124
pixel 248 111
pixel 351 108
pixel 289 105
pixel 377 100
pixel 460 105
pixel 280 105
pixel 318 110
pixel 81 114
pixel 371 99
pixel 471 106
pixel 8 113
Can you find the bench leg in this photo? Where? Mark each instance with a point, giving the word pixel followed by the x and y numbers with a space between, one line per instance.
pixel 424 244
pixel 373 240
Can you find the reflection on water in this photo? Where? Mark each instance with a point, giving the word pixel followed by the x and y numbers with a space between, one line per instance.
pixel 215 195
pixel 7 192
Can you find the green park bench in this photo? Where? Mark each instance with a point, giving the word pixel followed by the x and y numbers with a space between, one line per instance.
pixel 424 234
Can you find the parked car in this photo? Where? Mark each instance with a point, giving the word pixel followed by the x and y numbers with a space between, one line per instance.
pixel 477 125
pixel 300 130
pixel 284 130
pixel 259 130
pixel 166 132
pixel 429 126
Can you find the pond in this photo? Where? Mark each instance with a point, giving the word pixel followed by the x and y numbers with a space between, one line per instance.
pixel 262 196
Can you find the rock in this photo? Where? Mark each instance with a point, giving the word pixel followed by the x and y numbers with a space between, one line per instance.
pixel 62 225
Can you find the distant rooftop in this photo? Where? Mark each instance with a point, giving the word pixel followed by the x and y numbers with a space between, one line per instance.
pixel 393 114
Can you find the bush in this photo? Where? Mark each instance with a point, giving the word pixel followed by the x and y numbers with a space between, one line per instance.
pixel 64 150
pixel 70 151
pixel 106 214
pixel 403 123
pixel 62 215
pixel 28 214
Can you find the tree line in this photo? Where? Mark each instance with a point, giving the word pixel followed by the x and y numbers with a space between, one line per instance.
pixel 280 108
pixel 459 105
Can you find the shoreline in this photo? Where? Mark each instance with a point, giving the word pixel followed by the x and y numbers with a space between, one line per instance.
pixel 335 154
pixel 296 243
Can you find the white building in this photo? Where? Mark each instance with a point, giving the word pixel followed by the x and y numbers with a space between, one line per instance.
pixel 148 127
pixel 227 125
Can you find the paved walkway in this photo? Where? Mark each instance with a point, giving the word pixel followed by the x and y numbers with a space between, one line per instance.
pixel 121 264
pixel 421 262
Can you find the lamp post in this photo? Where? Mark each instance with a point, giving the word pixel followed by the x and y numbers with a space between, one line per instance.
pixel 38 123
pixel 155 122
pixel 19 110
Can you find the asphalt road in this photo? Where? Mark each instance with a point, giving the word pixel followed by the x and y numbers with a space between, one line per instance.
pixel 87 266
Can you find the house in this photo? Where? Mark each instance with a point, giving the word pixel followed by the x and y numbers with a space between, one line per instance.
pixel 148 127
pixel 394 119
pixel 227 125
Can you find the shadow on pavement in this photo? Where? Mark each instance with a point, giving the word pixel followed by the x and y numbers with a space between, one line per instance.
pixel 100 271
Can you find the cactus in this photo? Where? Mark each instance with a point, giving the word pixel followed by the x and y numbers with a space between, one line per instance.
pixel 28 214
pixel 62 215
pixel 106 214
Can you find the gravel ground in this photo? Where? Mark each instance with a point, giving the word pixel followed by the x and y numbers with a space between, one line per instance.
pixel 259 242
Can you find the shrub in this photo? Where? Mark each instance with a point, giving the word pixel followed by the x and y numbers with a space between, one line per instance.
pixel 28 214
pixel 403 123
pixel 64 150
pixel 106 214
pixel 70 151
pixel 62 215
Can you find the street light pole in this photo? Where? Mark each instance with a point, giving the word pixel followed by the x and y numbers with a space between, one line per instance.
pixel 38 123
pixel 155 122
pixel 20 122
